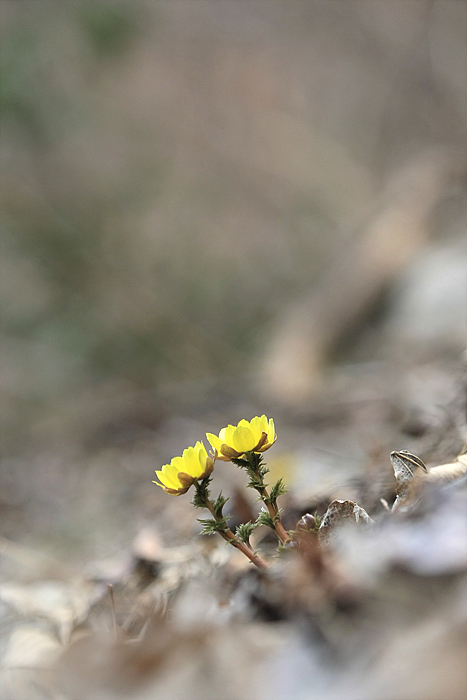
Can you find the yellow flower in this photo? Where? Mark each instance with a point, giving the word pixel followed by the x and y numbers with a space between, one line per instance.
pixel 256 435
pixel 177 477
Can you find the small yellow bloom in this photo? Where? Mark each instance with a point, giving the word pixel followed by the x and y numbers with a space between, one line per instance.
pixel 177 477
pixel 256 435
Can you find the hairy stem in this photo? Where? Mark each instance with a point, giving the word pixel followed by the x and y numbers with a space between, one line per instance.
pixel 273 511
pixel 229 537
pixel 254 461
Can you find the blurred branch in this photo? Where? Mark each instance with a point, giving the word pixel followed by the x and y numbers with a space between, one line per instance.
pixel 313 326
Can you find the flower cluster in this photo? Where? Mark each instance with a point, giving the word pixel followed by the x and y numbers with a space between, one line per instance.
pixel 242 444
pixel 257 435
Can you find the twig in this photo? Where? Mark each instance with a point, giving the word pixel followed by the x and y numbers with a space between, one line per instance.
pixel 110 588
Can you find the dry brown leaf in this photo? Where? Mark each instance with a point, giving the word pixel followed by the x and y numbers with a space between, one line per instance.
pixel 412 475
pixel 339 513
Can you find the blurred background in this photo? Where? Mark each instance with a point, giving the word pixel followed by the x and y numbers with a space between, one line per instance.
pixel 213 210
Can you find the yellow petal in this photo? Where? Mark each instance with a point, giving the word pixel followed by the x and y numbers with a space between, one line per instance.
pixel 257 428
pixel 214 441
pixel 243 439
pixel 177 463
pixel 160 475
pixel 200 463
pixel 202 454
pixel 229 435
pixel 191 462
pixel 271 431
pixel 172 471
pixel 202 458
pixel 167 478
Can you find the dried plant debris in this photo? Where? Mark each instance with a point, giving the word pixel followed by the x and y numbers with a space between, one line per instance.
pixel 405 466
pixel 449 473
pixel 347 610
pixel 26 671
pixel 62 604
pixel 206 663
pixel 338 514
pixel 412 475
pixel 424 541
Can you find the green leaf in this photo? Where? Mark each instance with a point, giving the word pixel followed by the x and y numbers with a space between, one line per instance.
pixel 210 526
pixel 285 549
pixel 218 505
pixel 277 490
pixel 202 493
pixel 244 531
pixel 256 483
pixel 265 519
pixel 240 463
